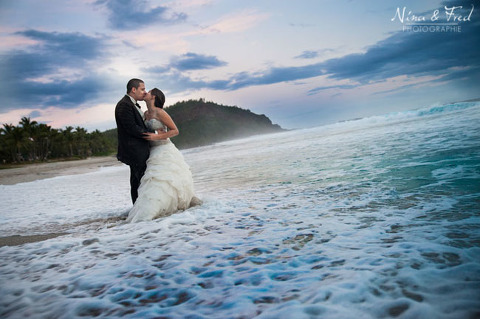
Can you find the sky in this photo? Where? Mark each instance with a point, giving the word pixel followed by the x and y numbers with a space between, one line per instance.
pixel 302 63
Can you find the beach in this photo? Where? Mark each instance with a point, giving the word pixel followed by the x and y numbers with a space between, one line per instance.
pixel 372 218
pixel 33 172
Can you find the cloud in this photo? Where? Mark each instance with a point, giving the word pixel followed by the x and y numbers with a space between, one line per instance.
pixel 53 70
pixel 134 14
pixel 34 114
pixel 176 82
pixel 193 61
pixel 275 75
pixel 76 45
pixel 236 22
pixel 68 94
pixel 413 54
pixel 172 74
pixel 323 88
pixel 312 54
pixel 448 56
pixel 307 55
pixel 302 25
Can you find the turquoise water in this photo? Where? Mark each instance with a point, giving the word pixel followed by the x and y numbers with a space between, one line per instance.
pixel 373 218
pixel 393 198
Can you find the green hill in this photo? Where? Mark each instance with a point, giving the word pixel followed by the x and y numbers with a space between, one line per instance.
pixel 202 123
pixel 199 122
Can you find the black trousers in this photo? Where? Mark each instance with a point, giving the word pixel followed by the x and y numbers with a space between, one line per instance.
pixel 136 173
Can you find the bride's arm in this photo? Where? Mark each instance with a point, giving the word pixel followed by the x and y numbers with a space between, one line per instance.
pixel 167 120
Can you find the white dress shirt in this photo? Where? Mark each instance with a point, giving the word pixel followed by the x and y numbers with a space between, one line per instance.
pixel 138 109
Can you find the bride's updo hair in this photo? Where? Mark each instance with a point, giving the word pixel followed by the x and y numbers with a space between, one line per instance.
pixel 159 97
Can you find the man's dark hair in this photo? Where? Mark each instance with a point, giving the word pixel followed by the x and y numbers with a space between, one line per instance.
pixel 133 83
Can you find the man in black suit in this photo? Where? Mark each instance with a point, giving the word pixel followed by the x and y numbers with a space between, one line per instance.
pixel 133 148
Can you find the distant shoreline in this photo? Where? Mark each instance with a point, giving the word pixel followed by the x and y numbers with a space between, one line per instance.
pixel 37 171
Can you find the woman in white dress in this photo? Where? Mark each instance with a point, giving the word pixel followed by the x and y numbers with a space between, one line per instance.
pixel 167 185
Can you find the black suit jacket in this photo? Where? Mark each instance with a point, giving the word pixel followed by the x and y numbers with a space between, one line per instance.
pixel 133 149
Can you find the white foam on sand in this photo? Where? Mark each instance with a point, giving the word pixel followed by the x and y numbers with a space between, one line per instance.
pixel 30 207
pixel 292 226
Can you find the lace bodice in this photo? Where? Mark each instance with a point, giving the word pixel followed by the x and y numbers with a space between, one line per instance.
pixel 157 125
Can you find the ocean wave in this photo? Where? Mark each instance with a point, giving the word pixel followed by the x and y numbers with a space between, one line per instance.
pixel 419 113
pixel 446 108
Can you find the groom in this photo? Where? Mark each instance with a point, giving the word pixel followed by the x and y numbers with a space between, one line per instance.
pixel 133 148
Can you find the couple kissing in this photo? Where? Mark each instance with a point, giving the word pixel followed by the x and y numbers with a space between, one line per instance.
pixel 161 182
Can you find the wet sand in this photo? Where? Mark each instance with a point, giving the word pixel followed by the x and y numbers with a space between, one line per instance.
pixel 17 240
pixel 33 172
pixel 53 231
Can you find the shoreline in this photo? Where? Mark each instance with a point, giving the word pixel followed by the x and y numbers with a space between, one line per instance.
pixel 17 240
pixel 33 172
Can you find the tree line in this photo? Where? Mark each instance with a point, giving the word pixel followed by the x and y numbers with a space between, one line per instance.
pixel 200 123
pixel 31 141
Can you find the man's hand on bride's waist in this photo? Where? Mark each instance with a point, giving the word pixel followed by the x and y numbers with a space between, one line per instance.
pixel 153 137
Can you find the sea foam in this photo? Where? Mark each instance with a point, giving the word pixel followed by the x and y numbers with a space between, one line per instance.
pixel 372 218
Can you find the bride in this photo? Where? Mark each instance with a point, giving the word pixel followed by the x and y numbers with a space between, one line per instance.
pixel 167 185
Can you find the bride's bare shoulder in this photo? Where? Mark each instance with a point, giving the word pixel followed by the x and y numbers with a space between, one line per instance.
pixel 161 113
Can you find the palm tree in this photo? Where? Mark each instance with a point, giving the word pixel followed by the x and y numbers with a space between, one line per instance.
pixel 68 138
pixel 32 141
pixel 29 127
pixel 44 140
pixel 6 142
pixel 57 145
pixel 80 137
pixel 13 138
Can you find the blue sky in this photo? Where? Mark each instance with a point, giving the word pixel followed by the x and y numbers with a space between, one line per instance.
pixel 302 63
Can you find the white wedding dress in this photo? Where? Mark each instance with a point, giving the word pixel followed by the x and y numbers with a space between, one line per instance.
pixel 167 185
